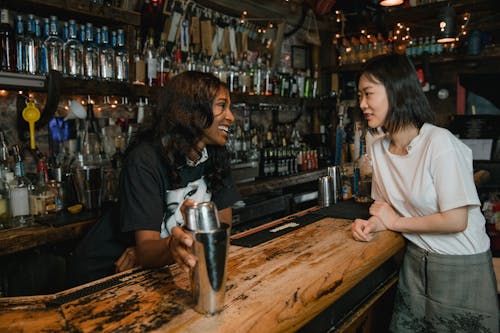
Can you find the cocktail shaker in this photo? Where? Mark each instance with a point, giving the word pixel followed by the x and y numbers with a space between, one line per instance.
pixel 211 247
pixel 325 191
pixel 336 173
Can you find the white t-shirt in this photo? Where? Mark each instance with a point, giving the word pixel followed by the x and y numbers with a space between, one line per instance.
pixel 435 176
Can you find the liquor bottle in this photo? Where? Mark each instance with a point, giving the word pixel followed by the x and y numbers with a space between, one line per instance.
pixel 19 194
pixel 8 57
pixel 54 45
pixel 73 52
pixel 267 80
pixel 150 60
pixel 20 45
pixel 42 196
pixel 233 77
pixel 90 54
pixel 121 56
pixel 307 85
pixel 285 84
pixel 315 82
pixel 138 63
pixel 31 47
pixel 4 200
pixel 44 65
pixel 362 175
pixel 106 56
pixel 4 156
pixel 4 191
pixel 81 33
pixel 65 31
pixel 113 38
pixel 163 61
pixel 40 55
pixel 244 77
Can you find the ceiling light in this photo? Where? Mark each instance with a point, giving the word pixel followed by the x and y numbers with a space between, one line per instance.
pixel 388 3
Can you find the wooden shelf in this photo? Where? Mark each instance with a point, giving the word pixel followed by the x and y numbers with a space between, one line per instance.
pixel 71 86
pixel 76 9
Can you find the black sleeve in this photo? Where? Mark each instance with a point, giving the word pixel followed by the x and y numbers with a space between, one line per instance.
pixel 228 195
pixel 141 205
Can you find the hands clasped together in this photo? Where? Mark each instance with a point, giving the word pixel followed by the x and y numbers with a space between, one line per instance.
pixel 383 217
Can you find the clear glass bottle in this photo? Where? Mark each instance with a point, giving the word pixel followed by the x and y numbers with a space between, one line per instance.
pixel 44 65
pixel 40 57
pixel 138 63
pixel 121 56
pixel 73 52
pixel 163 61
pixel 21 45
pixel 42 196
pixel 54 46
pixel 19 194
pixel 31 46
pixel 5 221
pixel 8 57
pixel 90 54
pixel 362 175
pixel 259 71
pixel 106 56
pixel 150 61
pixel 4 191
pixel 64 31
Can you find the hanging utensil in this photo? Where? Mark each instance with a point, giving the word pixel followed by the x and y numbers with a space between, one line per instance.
pixel 31 114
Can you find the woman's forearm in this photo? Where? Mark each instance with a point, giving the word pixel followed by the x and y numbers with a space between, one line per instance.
pixel 451 221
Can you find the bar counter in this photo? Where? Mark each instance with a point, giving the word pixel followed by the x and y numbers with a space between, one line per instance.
pixel 20 239
pixel 277 286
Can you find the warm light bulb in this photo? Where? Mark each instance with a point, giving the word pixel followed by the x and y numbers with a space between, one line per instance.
pixel 388 3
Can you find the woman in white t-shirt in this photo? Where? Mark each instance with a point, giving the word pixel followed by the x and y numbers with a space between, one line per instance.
pixel 423 187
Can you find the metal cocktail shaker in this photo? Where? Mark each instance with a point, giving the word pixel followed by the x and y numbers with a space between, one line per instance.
pixel 211 247
pixel 336 173
pixel 325 191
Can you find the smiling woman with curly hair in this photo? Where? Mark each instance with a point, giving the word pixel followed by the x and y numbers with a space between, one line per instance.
pixel 178 154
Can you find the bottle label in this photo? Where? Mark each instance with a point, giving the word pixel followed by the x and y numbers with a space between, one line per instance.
pixel 19 203
pixel 140 71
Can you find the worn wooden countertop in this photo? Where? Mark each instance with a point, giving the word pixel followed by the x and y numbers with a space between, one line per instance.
pixel 277 286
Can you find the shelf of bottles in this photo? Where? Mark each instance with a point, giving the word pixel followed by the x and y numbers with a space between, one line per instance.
pixel 36 45
pixel 96 60
pixel 276 149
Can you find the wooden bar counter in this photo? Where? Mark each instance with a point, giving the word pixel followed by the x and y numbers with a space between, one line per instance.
pixel 277 286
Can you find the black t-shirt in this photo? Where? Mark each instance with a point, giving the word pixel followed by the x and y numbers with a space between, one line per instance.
pixel 147 199
pixel 144 205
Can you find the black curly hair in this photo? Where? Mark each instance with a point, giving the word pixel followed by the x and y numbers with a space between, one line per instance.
pixel 183 112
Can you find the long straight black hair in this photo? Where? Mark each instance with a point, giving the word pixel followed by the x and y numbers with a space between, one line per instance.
pixel 408 105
